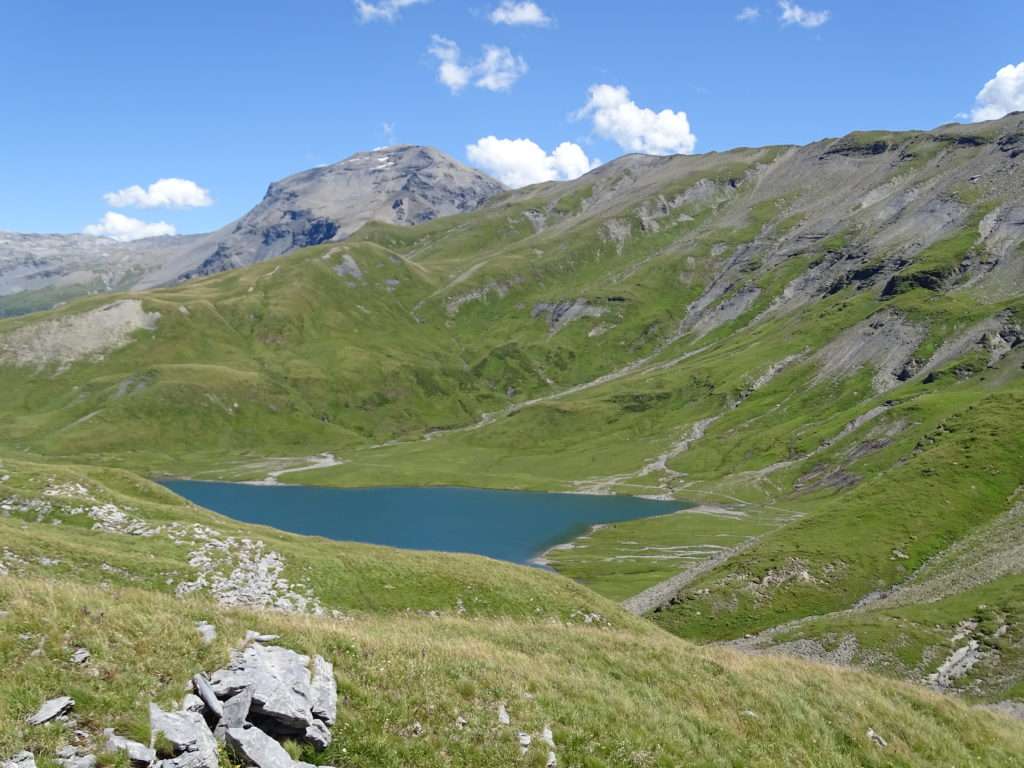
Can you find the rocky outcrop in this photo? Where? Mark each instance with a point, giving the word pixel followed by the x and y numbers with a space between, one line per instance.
pixel 288 699
pixel 561 313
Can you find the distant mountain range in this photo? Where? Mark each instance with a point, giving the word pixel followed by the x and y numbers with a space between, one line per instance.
pixel 399 185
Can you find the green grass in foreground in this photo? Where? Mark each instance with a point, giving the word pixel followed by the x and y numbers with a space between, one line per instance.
pixel 630 696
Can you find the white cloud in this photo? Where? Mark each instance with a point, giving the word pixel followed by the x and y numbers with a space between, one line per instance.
pixel 519 162
pixel 384 10
pixel 516 14
pixel 450 72
pixel 120 227
pixel 496 71
pixel 165 193
pixel 1001 95
pixel 794 14
pixel 748 14
pixel 499 69
pixel 635 128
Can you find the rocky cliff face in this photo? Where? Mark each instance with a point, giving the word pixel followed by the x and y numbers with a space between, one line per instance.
pixel 400 185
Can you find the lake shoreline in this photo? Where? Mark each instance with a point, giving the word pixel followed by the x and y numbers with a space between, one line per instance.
pixel 512 525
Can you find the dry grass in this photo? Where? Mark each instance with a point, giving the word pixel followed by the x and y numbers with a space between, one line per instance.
pixel 624 696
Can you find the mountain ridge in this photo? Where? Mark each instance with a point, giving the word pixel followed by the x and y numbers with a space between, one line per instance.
pixel 401 184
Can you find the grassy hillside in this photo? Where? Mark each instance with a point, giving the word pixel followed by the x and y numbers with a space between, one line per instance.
pixel 685 705
pixel 821 345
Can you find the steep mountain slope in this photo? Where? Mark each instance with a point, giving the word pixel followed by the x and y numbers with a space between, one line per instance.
pixel 821 343
pixel 401 185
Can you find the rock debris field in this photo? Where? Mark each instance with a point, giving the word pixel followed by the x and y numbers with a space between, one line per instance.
pixel 239 572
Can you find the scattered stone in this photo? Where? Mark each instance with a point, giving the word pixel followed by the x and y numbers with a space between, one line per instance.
pixel 235 714
pixel 80 656
pixel 257 637
pixel 139 755
pixel 552 761
pixel 324 691
pixel 956 665
pixel 319 735
pixel 206 631
pixel 51 709
pixel 78 761
pixel 873 736
pixel 525 740
pixel 548 737
pixel 192 703
pixel 188 734
pixel 503 717
pixel 252 746
pixel 66 752
pixel 206 694
pixel 417 729
pixel 23 759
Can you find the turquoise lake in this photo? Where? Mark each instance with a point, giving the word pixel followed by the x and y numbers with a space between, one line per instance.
pixel 508 525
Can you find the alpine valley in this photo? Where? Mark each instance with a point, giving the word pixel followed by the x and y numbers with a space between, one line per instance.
pixel 816 350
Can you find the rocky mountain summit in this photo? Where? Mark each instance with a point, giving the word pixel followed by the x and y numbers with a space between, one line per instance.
pixel 400 185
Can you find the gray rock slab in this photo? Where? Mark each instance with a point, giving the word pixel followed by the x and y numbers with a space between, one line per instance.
pixel 318 734
pixel 207 632
pixel 186 731
pixel 207 694
pixel 280 683
pixel 236 713
pixel 138 754
pixel 192 703
pixel 51 709
pixel 78 761
pixel 22 759
pixel 324 691
pixel 253 747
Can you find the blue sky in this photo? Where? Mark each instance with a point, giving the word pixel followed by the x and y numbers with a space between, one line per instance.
pixel 96 97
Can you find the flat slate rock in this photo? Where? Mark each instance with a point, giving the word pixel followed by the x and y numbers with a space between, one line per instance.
pixel 253 747
pixel 207 632
pixel 318 734
pixel 20 760
pixel 190 736
pixel 78 761
pixel 138 754
pixel 280 682
pixel 192 703
pixel 51 709
pixel 236 713
pixel 324 691
pixel 206 693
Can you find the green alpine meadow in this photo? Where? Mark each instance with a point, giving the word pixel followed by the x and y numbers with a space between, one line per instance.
pixel 812 354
